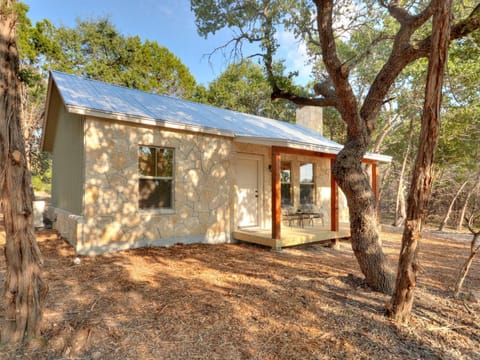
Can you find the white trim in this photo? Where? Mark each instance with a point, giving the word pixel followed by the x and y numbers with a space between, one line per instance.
pixel 288 143
pixel 47 110
pixel 144 120
pixel 260 188
pixel 378 157
pixel 334 150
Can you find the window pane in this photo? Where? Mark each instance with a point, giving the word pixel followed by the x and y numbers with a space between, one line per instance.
pixel 307 187
pixel 146 161
pixel 286 195
pixel 285 180
pixel 155 194
pixel 306 173
pixel 306 193
pixel 285 174
pixel 165 162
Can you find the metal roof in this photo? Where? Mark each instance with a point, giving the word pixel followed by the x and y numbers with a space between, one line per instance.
pixel 91 97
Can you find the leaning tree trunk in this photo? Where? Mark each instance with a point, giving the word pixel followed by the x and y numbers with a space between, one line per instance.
pixel 420 189
pixel 400 209
pixel 474 248
pixel 464 271
pixel 449 211
pixel 465 204
pixel 24 288
pixel 365 237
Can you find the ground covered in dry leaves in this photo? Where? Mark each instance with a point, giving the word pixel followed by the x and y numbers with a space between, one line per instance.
pixel 245 302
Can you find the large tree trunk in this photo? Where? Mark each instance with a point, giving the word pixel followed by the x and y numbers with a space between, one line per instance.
pixel 24 288
pixel 449 211
pixel 365 238
pixel 402 300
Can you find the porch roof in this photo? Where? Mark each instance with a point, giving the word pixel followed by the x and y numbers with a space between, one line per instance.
pixel 81 95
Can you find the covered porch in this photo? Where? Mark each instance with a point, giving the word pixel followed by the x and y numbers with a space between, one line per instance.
pixel 279 232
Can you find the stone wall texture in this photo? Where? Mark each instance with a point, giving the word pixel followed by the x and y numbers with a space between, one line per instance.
pixel 112 219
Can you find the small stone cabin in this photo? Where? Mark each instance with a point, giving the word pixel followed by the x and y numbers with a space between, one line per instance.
pixel 134 169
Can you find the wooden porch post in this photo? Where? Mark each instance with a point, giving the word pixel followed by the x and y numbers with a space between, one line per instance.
pixel 333 200
pixel 276 195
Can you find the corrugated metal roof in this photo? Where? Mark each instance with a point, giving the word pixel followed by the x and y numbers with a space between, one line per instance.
pixel 83 95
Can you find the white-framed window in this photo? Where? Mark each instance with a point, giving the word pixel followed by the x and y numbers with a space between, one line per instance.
pixel 286 183
pixel 156 177
pixel 307 184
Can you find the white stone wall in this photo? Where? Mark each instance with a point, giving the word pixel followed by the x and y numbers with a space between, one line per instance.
pixel 202 201
pixel 68 225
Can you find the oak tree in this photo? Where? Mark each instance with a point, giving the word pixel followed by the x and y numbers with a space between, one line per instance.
pixel 322 24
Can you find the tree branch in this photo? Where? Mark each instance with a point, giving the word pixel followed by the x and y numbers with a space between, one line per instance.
pixel 338 72
pixel 361 57
pixel 397 12
pixel 470 222
pixel 393 123
pixel 302 100
pixel 459 30
pixel 404 17
pixel 403 53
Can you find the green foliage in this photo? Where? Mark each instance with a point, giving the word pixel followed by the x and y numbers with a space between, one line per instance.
pixel 333 126
pixel 94 48
pixel 42 183
pixel 244 87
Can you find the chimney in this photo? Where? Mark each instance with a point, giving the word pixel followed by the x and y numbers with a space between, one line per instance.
pixel 310 117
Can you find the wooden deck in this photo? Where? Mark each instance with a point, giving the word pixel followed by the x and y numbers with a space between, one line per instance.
pixel 291 236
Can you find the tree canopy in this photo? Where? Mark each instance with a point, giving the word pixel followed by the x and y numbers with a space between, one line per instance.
pixel 244 87
pixel 95 48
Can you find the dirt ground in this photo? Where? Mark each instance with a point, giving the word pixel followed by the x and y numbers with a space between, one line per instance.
pixel 241 301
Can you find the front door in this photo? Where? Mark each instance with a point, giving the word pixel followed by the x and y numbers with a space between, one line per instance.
pixel 248 191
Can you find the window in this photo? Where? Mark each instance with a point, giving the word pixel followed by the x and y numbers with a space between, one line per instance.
pixel 307 184
pixel 155 185
pixel 286 183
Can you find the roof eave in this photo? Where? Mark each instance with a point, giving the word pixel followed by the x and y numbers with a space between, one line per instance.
pixel 47 111
pixel 288 143
pixel 306 146
pixel 378 157
pixel 143 120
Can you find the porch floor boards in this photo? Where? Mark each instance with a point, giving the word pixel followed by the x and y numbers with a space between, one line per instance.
pixel 291 236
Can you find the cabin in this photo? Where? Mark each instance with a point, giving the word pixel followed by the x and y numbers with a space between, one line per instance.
pixel 134 169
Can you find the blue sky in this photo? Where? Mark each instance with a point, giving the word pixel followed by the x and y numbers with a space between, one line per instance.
pixel 169 22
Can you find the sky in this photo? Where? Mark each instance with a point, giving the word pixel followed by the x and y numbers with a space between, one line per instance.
pixel 170 23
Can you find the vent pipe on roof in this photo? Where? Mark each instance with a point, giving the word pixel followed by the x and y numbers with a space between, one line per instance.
pixel 310 117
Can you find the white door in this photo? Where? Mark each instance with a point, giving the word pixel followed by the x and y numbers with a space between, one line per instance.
pixel 248 192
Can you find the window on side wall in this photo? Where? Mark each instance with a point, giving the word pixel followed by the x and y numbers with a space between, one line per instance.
pixel 156 177
pixel 286 183
pixel 307 184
